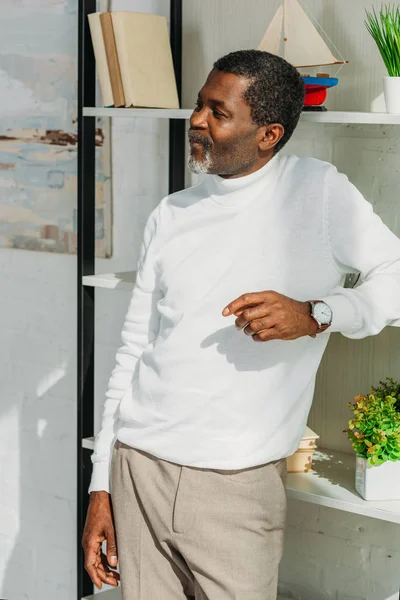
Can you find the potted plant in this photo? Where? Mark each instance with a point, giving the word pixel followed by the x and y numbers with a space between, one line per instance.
pixel 385 30
pixel 374 432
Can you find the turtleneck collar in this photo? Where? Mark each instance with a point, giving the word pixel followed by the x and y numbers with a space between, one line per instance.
pixel 229 192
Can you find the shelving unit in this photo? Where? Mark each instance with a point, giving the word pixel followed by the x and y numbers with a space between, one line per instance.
pixel 332 482
pixel 87 279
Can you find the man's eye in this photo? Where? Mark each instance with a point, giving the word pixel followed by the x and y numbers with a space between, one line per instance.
pixel 197 106
pixel 218 114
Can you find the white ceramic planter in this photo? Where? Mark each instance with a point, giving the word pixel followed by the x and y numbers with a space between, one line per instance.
pixel 378 483
pixel 391 87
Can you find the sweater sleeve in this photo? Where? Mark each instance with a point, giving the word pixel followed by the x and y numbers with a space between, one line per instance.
pixel 140 328
pixel 358 241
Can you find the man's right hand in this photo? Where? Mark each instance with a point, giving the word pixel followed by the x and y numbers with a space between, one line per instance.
pixel 99 527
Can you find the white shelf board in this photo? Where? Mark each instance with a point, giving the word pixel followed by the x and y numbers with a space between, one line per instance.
pixel 330 116
pixel 332 484
pixel 88 443
pixel 149 113
pixel 340 117
pixel 113 281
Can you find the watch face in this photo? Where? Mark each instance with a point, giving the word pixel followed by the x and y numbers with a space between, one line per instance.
pixel 323 313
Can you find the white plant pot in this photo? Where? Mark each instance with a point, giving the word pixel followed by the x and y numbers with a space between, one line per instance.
pixel 391 87
pixel 381 482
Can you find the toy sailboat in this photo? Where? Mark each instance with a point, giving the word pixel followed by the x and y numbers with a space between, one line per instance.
pixel 292 35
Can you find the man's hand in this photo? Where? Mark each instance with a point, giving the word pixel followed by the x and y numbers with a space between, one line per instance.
pixel 99 526
pixel 271 316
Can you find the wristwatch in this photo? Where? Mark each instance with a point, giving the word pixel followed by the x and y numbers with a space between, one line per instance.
pixel 322 315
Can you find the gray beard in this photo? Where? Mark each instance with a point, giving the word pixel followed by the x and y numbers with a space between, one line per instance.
pixel 201 167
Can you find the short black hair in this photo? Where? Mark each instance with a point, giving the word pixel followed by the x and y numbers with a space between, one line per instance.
pixel 276 91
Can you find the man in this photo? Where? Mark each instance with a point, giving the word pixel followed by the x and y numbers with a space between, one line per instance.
pixel 198 417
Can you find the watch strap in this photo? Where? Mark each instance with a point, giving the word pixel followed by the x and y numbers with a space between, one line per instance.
pixel 322 328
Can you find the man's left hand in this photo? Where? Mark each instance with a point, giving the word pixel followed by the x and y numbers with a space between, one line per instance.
pixel 271 316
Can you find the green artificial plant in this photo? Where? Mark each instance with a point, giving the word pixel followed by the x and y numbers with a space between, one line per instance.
pixel 384 27
pixel 389 387
pixel 374 429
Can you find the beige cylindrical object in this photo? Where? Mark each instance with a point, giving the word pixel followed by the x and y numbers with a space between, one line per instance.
pixel 301 460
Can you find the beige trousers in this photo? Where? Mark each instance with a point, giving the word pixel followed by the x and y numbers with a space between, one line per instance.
pixel 185 532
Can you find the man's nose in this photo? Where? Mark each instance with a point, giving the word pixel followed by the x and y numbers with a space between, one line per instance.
pixel 198 119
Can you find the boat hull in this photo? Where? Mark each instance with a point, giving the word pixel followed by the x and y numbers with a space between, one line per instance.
pixel 316 89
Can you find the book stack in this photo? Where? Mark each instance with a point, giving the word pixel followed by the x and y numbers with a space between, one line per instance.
pixel 134 60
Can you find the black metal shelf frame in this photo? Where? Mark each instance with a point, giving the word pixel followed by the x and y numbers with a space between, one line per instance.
pixel 86 244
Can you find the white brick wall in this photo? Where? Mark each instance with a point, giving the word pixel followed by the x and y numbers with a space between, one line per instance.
pixel 332 554
pixel 37 426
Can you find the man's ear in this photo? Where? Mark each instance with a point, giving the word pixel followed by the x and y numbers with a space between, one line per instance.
pixel 270 136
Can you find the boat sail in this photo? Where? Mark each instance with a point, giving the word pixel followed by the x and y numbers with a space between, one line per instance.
pixel 292 35
pixel 303 46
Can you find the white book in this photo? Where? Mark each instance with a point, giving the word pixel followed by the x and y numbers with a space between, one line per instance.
pixel 101 59
pixel 145 60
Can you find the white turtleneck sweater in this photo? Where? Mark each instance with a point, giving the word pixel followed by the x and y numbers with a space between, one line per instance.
pixel 190 388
